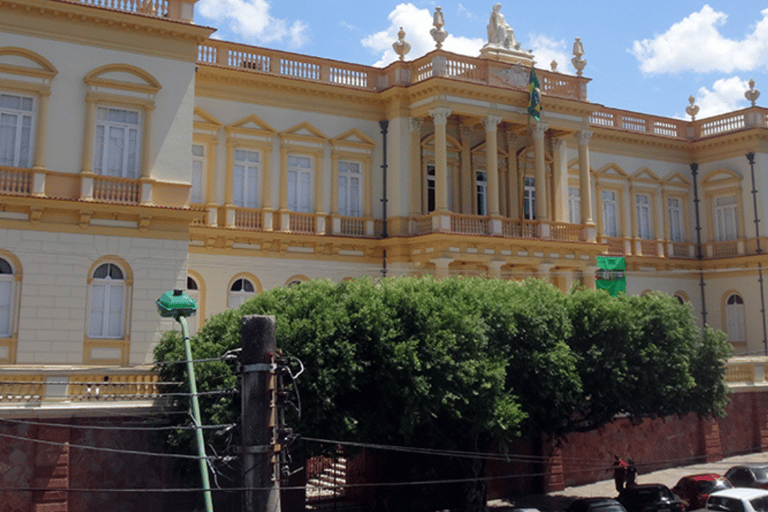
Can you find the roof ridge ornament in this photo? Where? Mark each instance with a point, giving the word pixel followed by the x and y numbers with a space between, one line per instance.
pixel 401 46
pixel 752 94
pixel 438 34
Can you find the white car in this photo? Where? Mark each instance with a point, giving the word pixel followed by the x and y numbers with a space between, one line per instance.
pixel 739 499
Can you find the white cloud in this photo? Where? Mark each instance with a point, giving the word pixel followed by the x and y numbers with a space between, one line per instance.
pixel 696 44
pixel 417 23
pixel 251 20
pixel 545 50
pixel 727 95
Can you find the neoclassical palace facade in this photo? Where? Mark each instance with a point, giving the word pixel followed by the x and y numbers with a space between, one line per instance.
pixel 139 155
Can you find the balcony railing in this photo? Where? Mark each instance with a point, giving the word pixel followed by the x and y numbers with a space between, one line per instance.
pixel 116 190
pixel 249 218
pixel 158 8
pixel 16 181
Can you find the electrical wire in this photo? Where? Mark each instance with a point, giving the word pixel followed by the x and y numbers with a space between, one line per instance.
pixel 110 427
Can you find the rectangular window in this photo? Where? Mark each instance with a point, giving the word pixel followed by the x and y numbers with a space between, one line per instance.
pixel 725 218
pixel 643 211
pixel 350 185
pixel 245 182
pixel 6 302
pixel 574 204
pixel 196 193
pixel 675 220
pixel 117 142
pixel 16 122
pixel 299 183
pixel 529 198
pixel 610 209
pixel 430 188
pixel 482 193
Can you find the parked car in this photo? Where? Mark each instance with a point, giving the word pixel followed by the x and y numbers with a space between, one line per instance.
pixel 595 505
pixel 749 475
pixel 694 490
pixel 738 500
pixel 650 498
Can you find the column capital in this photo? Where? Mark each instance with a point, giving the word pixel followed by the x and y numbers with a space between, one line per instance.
pixel 558 143
pixel 583 137
pixel 538 130
pixel 415 124
pixel 440 115
pixel 465 132
pixel 491 123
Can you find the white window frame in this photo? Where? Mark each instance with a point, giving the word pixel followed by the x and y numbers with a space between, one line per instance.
pixel 107 304
pixel 675 215
pixel 350 188
pixel 7 298
pixel 13 153
pixel 643 205
pixel 726 217
pixel 197 180
pixel 481 187
pixel 610 209
pixel 238 297
pixel 736 326
pixel 300 182
pixel 107 160
pixel 529 198
pixel 246 178
pixel 574 205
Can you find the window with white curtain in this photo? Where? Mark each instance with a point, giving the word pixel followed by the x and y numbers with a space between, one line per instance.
pixel 117 142
pixel 644 219
pixel 299 183
pixel 107 302
pixel 6 299
pixel 17 116
pixel 197 191
pixel 610 211
pixel 725 218
pixel 482 193
pixel 529 198
pixel 675 213
pixel 240 291
pixel 350 186
pixel 736 326
pixel 245 183
pixel 574 204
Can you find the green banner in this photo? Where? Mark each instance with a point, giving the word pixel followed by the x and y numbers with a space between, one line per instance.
pixel 611 274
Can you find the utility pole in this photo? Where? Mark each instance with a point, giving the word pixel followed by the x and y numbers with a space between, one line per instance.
pixel 262 491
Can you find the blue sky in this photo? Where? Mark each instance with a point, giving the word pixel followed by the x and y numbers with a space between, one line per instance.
pixel 647 56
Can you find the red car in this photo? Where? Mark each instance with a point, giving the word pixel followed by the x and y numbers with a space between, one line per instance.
pixel 694 490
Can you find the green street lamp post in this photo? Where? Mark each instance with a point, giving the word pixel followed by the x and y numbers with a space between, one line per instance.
pixel 179 305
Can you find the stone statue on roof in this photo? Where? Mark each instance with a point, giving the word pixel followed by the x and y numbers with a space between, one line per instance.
pixel 499 32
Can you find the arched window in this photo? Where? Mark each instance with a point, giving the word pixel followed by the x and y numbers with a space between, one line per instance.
pixel 736 326
pixel 240 291
pixel 6 299
pixel 108 302
pixel 193 290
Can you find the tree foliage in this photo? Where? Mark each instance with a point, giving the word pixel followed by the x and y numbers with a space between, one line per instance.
pixel 458 363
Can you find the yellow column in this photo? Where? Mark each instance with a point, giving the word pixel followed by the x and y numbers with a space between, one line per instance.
pixel 42 129
pixel 146 143
pixel 560 181
pixel 440 118
pixel 540 176
pixel 467 186
pixel 228 174
pixel 335 183
pixel 512 178
pixel 319 163
pixel 414 164
pixel 210 172
pixel 585 185
pixel 492 164
pixel 90 126
pixel 283 179
pixel 367 186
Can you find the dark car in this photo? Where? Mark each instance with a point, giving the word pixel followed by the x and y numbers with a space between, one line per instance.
pixel 650 498
pixel 595 505
pixel 694 490
pixel 749 475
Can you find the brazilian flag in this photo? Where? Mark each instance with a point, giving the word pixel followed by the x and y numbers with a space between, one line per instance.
pixel 611 274
pixel 534 95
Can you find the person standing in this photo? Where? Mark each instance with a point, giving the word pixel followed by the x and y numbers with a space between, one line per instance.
pixel 631 473
pixel 619 472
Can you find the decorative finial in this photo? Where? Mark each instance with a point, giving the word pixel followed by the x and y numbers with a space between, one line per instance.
pixel 401 46
pixel 692 109
pixel 438 34
pixel 553 65
pixel 752 94
pixel 577 61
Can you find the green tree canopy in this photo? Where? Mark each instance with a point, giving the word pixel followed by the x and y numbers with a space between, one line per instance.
pixel 460 362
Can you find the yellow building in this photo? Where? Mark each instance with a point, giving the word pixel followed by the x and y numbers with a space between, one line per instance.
pixel 138 155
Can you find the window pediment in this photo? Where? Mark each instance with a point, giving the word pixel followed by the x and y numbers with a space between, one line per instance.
pixel 123 77
pixel 20 61
pixel 251 125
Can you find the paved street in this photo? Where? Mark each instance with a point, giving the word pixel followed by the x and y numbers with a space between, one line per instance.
pixel 557 501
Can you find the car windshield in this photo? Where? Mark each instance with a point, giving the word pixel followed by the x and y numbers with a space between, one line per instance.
pixel 710 486
pixel 649 495
pixel 760 504
pixel 761 474
pixel 723 504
